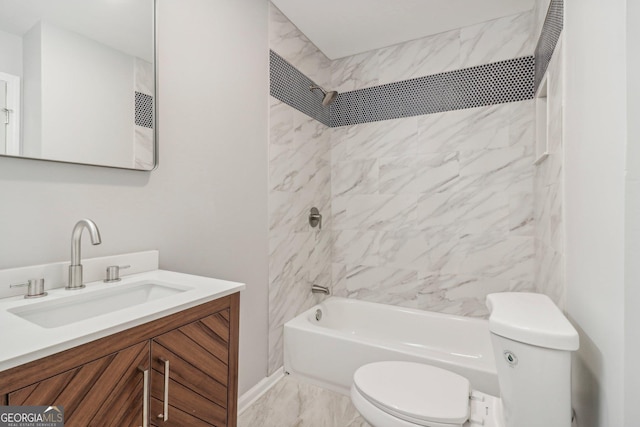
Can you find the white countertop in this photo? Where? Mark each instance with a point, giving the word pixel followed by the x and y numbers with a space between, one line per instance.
pixel 22 341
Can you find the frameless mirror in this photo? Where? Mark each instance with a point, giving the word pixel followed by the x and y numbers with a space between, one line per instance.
pixel 77 81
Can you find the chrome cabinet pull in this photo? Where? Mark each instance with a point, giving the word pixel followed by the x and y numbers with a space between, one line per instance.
pixel 165 416
pixel 145 397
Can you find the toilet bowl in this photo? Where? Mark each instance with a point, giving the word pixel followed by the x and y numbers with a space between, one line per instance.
pixel 407 394
pixel 532 342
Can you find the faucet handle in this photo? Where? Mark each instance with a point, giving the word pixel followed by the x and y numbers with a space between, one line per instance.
pixel 315 218
pixel 35 288
pixel 113 273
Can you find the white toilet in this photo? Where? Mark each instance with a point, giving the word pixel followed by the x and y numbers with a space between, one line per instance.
pixel 532 344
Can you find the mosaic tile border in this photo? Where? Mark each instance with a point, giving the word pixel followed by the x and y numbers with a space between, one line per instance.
pixel 496 83
pixel 290 86
pixel 549 36
pixel 144 110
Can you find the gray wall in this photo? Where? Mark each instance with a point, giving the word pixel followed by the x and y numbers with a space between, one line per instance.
pixel 205 207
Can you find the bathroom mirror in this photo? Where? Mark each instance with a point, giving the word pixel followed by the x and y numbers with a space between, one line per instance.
pixel 77 81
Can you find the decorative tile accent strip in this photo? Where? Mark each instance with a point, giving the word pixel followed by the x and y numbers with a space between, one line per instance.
pixel 496 83
pixel 292 87
pixel 553 25
pixel 144 110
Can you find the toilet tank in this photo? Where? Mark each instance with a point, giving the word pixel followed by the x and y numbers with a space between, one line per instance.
pixel 532 343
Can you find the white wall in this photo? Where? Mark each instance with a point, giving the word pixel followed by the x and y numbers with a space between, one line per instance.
pixel 78 97
pixel 632 221
pixel 32 93
pixel 10 54
pixel 595 201
pixel 205 207
pixel 87 99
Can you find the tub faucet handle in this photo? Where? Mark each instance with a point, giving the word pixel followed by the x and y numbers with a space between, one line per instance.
pixel 315 218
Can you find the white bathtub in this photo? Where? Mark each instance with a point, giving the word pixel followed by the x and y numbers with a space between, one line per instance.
pixel 352 333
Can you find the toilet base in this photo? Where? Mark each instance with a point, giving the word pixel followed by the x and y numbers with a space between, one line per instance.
pixel 486 411
pixel 485 408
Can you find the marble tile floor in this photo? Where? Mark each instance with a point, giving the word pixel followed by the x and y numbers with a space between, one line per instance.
pixel 294 403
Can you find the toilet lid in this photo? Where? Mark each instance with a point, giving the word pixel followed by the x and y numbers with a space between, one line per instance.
pixel 415 392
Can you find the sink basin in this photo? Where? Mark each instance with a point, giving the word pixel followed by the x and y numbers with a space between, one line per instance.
pixel 72 309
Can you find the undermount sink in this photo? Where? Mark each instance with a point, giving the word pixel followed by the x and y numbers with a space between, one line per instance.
pixel 72 309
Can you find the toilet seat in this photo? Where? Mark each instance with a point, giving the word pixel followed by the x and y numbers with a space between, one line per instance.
pixel 419 394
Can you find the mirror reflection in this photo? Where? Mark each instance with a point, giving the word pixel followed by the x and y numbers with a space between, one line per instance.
pixel 77 81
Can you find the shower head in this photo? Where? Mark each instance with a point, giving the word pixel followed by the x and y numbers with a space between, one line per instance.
pixel 329 97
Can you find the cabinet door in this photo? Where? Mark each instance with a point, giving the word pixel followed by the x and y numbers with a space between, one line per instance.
pixel 105 392
pixel 198 375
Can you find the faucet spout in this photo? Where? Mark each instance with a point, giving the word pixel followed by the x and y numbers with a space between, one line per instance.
pixel 317 289
pixel 75 269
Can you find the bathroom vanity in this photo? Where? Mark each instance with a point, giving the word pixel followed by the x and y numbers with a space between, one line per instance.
pixel 163 353
pixel 194 352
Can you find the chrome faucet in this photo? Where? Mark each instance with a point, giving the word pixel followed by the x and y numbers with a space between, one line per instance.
pixel 75 269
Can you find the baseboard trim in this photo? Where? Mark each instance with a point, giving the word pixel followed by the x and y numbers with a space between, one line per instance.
pixel 255 392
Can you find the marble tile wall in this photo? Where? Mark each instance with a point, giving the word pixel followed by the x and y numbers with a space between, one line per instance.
pixel 549 36
pixel 540 10
pixel 299 178
pixel 292 87
pixel 434 212
pixel 143 136
pixel 295 48
pixel 498 40
pixel 299 256
pixel 549 194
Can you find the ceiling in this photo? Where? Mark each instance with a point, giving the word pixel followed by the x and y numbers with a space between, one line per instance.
pixel 342 28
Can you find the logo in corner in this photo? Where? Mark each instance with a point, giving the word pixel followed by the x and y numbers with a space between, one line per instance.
pixel 31 416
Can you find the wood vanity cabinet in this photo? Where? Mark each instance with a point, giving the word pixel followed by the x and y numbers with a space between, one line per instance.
pixel 101 383
pixel 197 375
pixel 107 391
